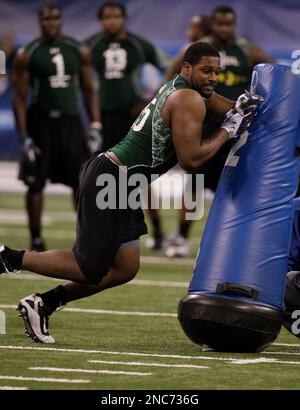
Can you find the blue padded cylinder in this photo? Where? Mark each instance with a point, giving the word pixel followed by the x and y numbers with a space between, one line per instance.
pixel 236 294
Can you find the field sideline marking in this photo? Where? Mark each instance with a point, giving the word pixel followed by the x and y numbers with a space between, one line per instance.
pixel 67 370
pixel 43 379
pixel 107 312
pixel 187 366
pixel 135 282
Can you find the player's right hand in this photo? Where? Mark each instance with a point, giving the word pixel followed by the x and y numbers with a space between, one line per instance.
pixel 235 123
pixel 29 150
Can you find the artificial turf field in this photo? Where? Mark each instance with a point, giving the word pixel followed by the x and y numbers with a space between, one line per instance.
pixel 124 338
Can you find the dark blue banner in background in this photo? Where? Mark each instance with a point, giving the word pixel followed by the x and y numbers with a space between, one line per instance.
pixel 272 24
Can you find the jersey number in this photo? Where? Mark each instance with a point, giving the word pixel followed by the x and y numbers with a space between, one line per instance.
pixel 142 118
pixel 60 79
pixel 232 159
pixel 115 63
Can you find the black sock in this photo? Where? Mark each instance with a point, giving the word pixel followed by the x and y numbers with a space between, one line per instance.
pixel 13 257
pixel 55 298
pixel 184 228
pixel 35 232
pixel 157 232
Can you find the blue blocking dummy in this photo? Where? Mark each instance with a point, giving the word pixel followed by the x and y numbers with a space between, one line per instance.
pixel 235 298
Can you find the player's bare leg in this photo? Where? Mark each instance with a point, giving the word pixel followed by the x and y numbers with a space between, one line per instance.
pixel 36 309
pixel 124 269
pixel 34 205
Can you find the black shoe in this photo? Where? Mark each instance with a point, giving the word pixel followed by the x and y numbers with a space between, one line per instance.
pixel 38 245
pixel 292 303
pixel 5 266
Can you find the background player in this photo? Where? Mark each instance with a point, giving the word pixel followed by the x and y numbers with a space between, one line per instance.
pixel 106 251
pixel 52 139
pixel 238 57
pixel 118 56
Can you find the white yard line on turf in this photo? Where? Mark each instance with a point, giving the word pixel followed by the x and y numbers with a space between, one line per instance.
pixel 284 353
pixel 67 370
pixel 187 366
pixel 262 360
pixel 134 282
pixel 107 312
pixel 108 352
pixel 286 344
pixel 43 379
pixel 13 388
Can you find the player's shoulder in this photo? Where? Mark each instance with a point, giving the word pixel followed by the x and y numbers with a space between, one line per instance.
pixel 30 47
pixel 206 39
pixel 136 39
pixel 71 42
pixel 93 40
pixel 243 43
pixel 187 98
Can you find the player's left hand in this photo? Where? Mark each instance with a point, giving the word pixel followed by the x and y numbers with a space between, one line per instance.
pixel 247 102
pixel 95 139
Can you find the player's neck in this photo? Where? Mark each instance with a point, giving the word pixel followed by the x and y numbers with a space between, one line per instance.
pixel 47 39
pixel 219 44
pixel 116 37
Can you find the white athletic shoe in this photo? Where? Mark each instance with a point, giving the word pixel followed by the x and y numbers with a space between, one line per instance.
pixel 178 247
pixel 35 319
pixel 155 244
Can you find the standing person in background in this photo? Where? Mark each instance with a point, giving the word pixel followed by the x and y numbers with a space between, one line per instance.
pixel 53 143
pixel 118 56
pixel 238 57
pixel 199 26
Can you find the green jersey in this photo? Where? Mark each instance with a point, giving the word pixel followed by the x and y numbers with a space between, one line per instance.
pixel 148 147
pixel 235 74
pixel 54 71
pixel 118 66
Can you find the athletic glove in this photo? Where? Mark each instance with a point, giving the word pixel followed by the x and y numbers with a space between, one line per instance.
pixel 28 156
pixel 95 139
pixel 29 150
pixel 246 102
pixel 235 123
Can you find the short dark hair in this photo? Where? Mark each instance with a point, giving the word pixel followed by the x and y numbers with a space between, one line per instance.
pixel 223 10
pixel 111 4
pixel 48 6
pixel 198 50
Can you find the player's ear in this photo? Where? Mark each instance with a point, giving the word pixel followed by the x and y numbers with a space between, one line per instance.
pixel 186 68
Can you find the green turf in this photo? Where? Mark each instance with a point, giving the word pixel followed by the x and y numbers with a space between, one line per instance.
pixel 108 333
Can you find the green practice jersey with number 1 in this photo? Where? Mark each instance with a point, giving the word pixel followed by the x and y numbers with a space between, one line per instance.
pixel 54 73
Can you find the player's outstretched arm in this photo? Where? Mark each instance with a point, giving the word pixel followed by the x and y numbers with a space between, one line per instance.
pixel 91 99
pixel 186 110
pixel 20 86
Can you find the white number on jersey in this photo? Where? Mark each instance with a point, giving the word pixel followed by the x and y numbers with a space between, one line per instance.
pixel 60 80
pixel 115 62
pixel 142 118
pixel 232 159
